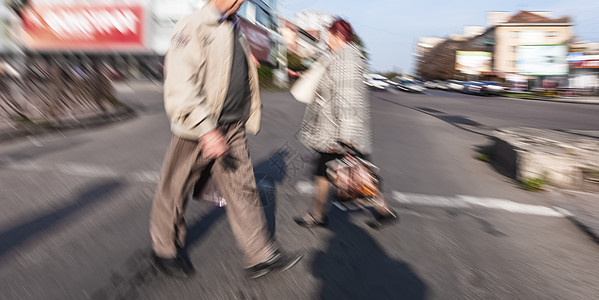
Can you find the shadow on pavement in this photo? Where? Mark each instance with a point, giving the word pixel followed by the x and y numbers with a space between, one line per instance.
pixel 199 228
pixel 502 157
pixel 18 235
pixel 268 174
pixel 355 267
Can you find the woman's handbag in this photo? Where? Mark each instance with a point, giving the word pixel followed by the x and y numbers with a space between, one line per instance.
pixel 304 89
pixel 354 177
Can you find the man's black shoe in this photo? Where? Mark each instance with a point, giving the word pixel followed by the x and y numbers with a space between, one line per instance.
pixel 278 261
pixel 179 266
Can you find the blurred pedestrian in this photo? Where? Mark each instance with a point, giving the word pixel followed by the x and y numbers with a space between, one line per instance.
pixel 211 97
pixel 341 113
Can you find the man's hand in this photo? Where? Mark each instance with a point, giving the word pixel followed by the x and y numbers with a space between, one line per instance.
pixel 255 60
pixel 213 144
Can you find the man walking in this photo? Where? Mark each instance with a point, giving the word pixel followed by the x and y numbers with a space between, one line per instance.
pixel 211 96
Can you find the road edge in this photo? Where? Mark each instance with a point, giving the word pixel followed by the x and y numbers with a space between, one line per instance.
pixel 121 113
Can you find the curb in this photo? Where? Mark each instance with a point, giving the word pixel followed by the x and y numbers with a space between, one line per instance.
pixel 588 230
pixel 121 114
pixel 505 158
pixel 592 102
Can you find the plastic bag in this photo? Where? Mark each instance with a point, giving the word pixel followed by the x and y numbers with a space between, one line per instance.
pixel 210 193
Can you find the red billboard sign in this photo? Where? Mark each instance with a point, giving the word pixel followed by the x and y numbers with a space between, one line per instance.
pixel 84 27
pixel 586 64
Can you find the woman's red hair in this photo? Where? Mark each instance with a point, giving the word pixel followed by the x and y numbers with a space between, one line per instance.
pixel 342 29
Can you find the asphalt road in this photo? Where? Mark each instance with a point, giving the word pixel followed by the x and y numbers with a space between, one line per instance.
pixel 74 218
pixel 497 112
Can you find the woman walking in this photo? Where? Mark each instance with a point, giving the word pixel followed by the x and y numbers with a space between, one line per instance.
pixel 341 113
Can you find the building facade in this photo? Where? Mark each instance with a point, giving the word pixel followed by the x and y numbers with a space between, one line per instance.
pixel 583 60
pixel 528 29
pixel 516 47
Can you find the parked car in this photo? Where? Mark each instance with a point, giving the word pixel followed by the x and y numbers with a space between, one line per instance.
pixel 409 86
pixel 473 87
pixel 376 81
pixel 430 85
pixel 455 85
pixel 492 88
pixel 441 85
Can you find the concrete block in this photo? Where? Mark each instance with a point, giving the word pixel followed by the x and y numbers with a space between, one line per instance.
pixel 559 157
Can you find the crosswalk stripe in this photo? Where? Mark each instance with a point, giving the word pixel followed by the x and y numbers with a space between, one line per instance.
pixel 458 201
pixel 462 201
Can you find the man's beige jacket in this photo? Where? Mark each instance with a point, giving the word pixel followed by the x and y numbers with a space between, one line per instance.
pixel 197 72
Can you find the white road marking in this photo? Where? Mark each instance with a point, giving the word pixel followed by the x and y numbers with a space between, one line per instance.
pixel 146 176
pixel 35 141
pixel 122 88
pixel 25 165
pixel 459 201
pixel 565 212
pixel 428 200
pixel 307 188
pixel 462 201
pixel 512 207
pixel 86 170
pixel 79 169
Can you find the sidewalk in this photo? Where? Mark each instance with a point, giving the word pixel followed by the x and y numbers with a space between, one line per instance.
pixel 581 100
pixel 576 100
pixel 581 208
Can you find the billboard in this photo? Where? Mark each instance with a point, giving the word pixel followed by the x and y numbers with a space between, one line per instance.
pixel 542 60
pixel 84 27
pixel 473 62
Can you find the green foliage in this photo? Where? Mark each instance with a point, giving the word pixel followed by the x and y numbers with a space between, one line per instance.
pixel 591 174
pixel 521 95
pixel 265 74
pixel 483 157
pixel 533 184
pixel 266 77
pixel 294 62
pixel 391 75
pixel 358 40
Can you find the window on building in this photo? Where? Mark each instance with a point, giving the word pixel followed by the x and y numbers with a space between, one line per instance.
pixel 551 34
pixel 515 34
pixel 242 12
pixel 265 18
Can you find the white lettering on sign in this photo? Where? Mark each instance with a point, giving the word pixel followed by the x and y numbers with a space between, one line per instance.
pixel 86 22
pixel 590 64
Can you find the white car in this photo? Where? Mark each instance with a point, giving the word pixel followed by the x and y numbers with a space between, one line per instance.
pixel 430 85
pixel 376 81
pixel 456 86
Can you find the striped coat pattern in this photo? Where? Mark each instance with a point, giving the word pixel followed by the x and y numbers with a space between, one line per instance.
pixel 341 111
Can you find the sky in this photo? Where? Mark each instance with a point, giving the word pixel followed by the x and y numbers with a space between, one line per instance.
pixel 390 28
